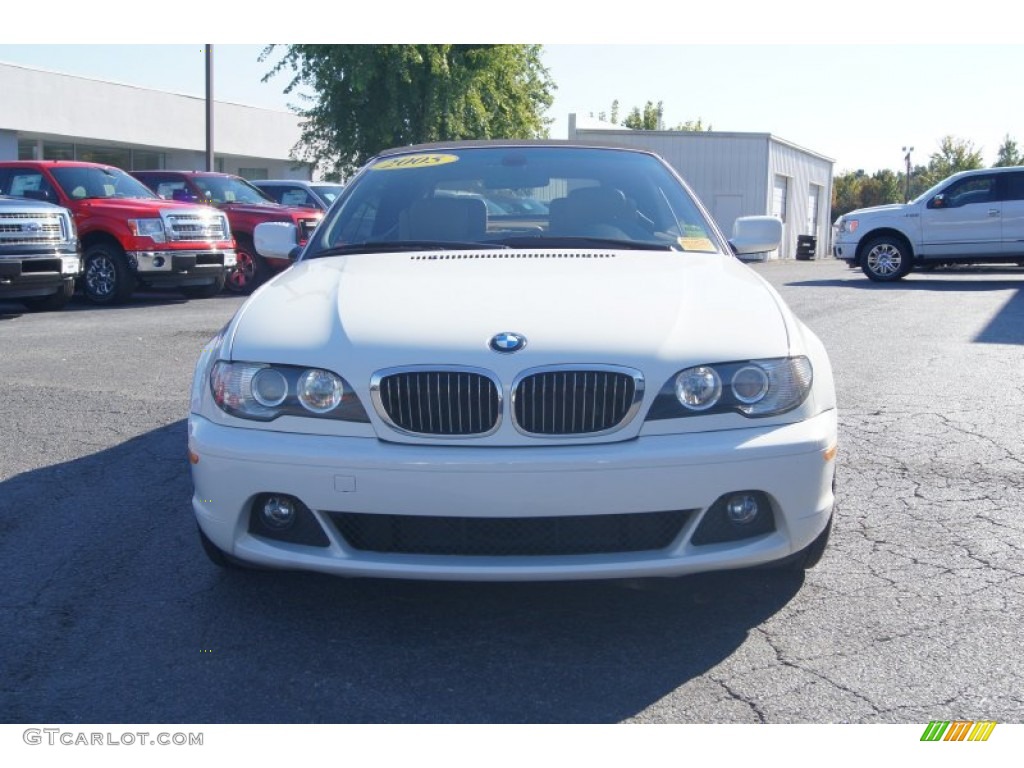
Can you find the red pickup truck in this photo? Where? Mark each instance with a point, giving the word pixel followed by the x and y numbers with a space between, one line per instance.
pixel 130 237
pixel 245 207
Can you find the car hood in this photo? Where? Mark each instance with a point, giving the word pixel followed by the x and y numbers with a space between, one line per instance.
pixel 270 210
pixel 876 209
pixel 656 311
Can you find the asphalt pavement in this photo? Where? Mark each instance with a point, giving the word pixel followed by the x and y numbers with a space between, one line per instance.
pixel 110 612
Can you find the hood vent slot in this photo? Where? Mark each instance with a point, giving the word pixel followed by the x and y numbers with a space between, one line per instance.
pixel 509 255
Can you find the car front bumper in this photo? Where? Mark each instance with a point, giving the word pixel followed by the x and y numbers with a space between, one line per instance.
pixel 793 465
pixel 174 268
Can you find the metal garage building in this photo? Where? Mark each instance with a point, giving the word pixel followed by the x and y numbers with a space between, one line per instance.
pixel 742 174
pixel 52 116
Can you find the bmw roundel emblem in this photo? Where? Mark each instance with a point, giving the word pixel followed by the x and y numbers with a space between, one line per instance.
pixel 508 342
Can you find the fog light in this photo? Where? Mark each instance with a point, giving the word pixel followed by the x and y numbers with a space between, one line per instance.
pixel 158 261
pixel 278 512
pixel 742 509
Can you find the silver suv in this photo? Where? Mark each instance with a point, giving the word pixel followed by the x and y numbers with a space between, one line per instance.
pixel 39 253
pixel 971 217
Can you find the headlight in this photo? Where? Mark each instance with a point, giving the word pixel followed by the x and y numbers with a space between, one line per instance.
pixel 320 391
pixel 698 388
pixel 848 225
pixel 152 228
pixel 753 388
pixel 207 355
pixel 264 392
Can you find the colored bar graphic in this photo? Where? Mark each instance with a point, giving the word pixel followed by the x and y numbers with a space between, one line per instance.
pixel 958 730
pixel 982 730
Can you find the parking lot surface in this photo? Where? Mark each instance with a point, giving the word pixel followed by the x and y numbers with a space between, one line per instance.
pixel 111 612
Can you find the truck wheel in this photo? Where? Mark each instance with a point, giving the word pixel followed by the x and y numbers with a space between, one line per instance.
pixel 250 269
pixel 886 259
pixel 52 302
pixel 108 280
pixel 204 291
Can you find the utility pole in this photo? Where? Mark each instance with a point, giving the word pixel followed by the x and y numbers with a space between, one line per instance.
pixel 209 108
pixel 906 158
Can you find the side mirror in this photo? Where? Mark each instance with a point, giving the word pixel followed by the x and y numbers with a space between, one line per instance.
pixel 939 201
pixel 277 240
pixel 754 236
pixel 37 194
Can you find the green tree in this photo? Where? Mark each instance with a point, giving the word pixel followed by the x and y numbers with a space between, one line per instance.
pixel 693 125
pixel 1008 154
pixel 648 120
pixel 954 155
pixel 365 98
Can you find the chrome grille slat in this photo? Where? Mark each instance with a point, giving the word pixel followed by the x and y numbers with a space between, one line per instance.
pixel 442 402
pixel 183 227
pixel 32 228
pixel 575 401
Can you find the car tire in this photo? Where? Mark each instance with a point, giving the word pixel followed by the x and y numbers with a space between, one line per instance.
pixel 207 291
pixel 52 302
pixel 886 259
pixel 250 270
pixel 107 278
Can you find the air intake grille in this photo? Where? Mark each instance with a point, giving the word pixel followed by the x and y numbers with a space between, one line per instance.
pixel 306 227
pixel 33 228
pixel 452 403
pixel 511 536
pixel 575 402
pixel 190 226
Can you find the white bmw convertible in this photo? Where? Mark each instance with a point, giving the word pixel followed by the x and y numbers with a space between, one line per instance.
pixel 515 360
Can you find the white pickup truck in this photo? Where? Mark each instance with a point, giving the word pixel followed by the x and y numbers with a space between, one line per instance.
pixel 971 217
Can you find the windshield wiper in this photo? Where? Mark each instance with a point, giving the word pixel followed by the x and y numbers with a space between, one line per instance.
pixel 574 241
pixel 384 246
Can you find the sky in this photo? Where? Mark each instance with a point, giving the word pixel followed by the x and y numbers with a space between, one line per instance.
pixel 858 103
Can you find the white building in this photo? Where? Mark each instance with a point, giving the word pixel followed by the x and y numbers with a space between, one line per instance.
pixel 742 174
pixel 52 116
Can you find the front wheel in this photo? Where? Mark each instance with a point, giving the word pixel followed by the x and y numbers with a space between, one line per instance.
pixel 108 280
pixel 886 259
pixel 250 269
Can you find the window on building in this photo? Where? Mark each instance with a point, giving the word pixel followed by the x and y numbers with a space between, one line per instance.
pixel 254 174
pixel 780 195
pixel 53 150
pixel 147 160
pixel 116 156
pixel 28 149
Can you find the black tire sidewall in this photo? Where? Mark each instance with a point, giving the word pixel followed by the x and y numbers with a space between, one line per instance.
pixel 906 259
pixel 124 280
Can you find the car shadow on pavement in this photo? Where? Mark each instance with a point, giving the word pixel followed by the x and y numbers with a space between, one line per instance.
pixel 117 617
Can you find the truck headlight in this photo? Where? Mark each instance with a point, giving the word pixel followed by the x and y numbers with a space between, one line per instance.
pixel 151 228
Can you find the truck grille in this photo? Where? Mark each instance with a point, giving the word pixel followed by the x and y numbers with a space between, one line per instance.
pixel 457 403
pixel 511 536
pixel 183 227
pixel 575 402
pixel 32 228
pixel 306 227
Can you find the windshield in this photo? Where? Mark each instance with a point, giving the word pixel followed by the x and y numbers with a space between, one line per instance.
pixel 329 192
pixel 99 183
pixel 519 197
pixel 226 189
